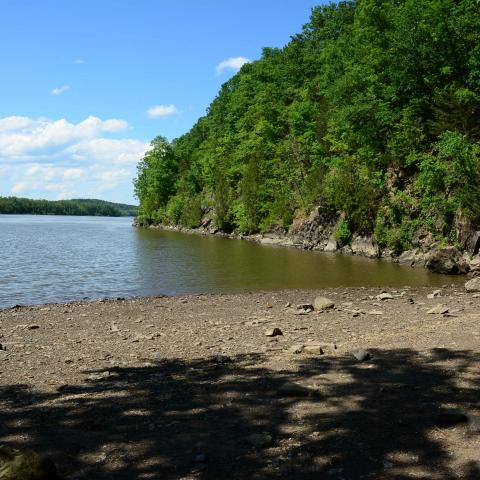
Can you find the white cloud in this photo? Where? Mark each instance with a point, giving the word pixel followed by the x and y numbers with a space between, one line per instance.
pixel 44 158
pixel 72 173
pixel 79 61
pixel 20 187
pixel 60 90
pixel 232 63
pixel 162 111
pixel 22 137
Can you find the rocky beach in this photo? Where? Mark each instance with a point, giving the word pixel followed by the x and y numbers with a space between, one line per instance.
pixel 337 383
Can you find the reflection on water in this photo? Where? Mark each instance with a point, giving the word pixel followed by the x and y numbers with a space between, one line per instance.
pixel 55 259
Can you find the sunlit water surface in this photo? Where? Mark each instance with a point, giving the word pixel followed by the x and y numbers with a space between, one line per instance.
pixel 46 259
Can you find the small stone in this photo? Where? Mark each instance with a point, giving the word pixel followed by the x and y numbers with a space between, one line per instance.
pixel 260 439
pixel 114 328
pixel 322 303
pixel 288 304
pixel 384 296
pixel 291 389
pixel 33 326
pixel 473 422
pixel 361 354
pixel 435 294
pixel 296 349
pixel 438 309
pixel 313 349
pixel 305 306
pixel 273 332
pixel 375 312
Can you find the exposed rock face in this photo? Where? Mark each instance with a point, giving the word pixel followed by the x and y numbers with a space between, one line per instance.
pixel 467 235
pixel 314 231
pixel 365 246
pixel 446 260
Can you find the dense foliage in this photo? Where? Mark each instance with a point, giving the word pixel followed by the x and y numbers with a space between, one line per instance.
pixel 372 111
pixel 16 205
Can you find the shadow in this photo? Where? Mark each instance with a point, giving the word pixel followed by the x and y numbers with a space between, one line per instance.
pixel 394 416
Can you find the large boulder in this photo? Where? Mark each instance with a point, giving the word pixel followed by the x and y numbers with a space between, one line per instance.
pixel 412 258
pixel 447 260
pixel 365 246
pixel 473 285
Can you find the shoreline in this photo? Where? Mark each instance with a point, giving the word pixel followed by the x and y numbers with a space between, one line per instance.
pixel 434 258
pixel 183 387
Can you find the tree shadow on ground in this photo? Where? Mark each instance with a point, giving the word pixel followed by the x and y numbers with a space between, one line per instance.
pixel 389 417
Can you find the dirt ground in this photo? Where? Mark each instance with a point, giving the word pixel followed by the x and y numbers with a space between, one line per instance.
pixel 174 388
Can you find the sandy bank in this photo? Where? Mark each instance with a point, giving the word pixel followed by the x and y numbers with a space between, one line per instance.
pixel 175 387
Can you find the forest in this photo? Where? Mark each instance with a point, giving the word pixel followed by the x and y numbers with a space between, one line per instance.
pixel 15 205
pixel 372 112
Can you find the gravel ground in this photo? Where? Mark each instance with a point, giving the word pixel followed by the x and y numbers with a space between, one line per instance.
pixel 192 388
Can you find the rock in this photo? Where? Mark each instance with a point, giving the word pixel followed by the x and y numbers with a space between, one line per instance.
pixel 332 245
pixel 305 306
pixel 438 309
pixel 361 354
pixel 33 326
pixel 435 294
pixel 412 258
pixel 273 332
pixel 365 246
pixel 384 296
pixel 473 422
pixel 313 349
pixel 375 312
pixel 467 235
pixel 260 440
pixel 292 389
pixel 114 328
pixel 473 285
pixel 322 303
pixel 296 349
pixel 446 260
pixel 25 465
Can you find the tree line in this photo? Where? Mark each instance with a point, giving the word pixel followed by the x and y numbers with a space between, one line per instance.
pixel 90 207
pixel 371 111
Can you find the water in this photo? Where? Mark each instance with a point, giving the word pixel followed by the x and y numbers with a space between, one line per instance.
pixel 46 259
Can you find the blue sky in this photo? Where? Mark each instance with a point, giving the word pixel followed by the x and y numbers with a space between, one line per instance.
pixel 86 84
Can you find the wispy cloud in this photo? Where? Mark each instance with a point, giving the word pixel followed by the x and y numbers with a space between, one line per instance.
pixel 60 90
pixel 162 111
pixel 79 61
pixel 232 63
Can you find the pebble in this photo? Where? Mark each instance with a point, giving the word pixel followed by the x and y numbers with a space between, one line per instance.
pixel 273 332
pixel 438 309
pixel 260 440
pixel 384 296
pixel 361 354
pixel 291 389
pixel 322 303
pixel 33 326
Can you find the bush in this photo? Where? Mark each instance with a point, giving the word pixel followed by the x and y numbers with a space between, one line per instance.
pixel 342 233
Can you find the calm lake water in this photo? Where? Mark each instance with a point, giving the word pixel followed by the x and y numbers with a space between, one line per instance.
pixel 47 259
